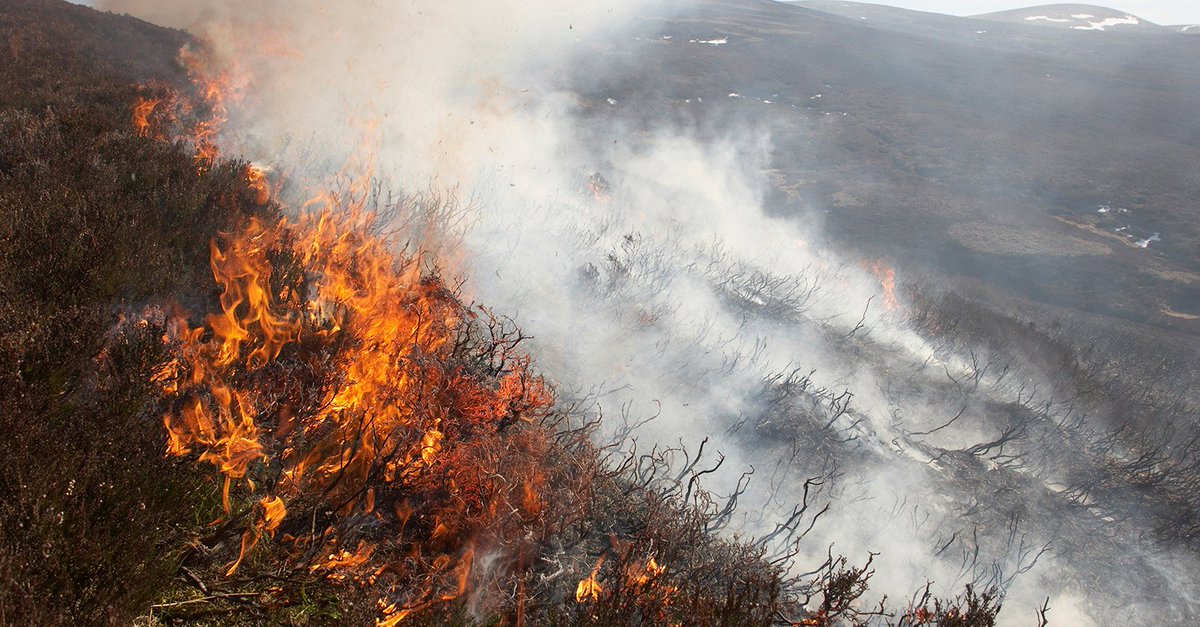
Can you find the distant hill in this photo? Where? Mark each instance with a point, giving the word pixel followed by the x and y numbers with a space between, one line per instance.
pixel 902 129
pixel 1075 17
pixel 868 11
pixel 966 31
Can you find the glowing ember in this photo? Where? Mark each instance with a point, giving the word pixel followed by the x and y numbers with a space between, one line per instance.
pixel 922 616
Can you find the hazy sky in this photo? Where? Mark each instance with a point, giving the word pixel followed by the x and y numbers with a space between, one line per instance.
pixel 1160 11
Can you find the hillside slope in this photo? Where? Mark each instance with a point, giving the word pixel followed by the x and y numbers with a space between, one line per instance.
pixel 96 222
pixel 1030 388
pixel 39 70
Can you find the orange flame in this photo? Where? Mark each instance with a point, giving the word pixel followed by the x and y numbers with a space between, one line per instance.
pixel 887 280
pixel 387 418
pixel 532 502
pixel 590 589
pixel 217 91
pixel 141 115
pixel 648 574
pixel 392 412
pixel 393 615
pixel 268 521
pixel 256 178
pixel 344 560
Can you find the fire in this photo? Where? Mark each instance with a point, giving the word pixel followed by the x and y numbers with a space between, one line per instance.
pixel 366 426
pixel 351 404
pixel 887 280
pixel 141 115
pixel 396 409
pixel 217 91
pixel 922 616
pixel 600 188
pixel 589 589
pixel 259 183
pixel 196 120
pixel 532 502
pixel 641 582
pixel 651 572
pixel 344 560
pixel 273 513
pixel 267 522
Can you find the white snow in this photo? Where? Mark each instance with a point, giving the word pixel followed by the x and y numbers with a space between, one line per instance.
pixel 1145 243
pixel 735 95
pixel 1090 22
pixel 1109 22
pixel 665 38
pixel 711 42
pixel 611 101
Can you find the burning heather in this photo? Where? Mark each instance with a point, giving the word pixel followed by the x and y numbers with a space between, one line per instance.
pixel 371 432
pixel 887 281
pixel 359 393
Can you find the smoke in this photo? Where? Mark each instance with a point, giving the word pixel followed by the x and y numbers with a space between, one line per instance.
pixel 664 291
pixel 442 81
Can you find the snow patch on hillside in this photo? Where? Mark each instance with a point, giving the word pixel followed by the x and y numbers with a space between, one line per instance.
pixel 1107 23
pixel 1071 17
